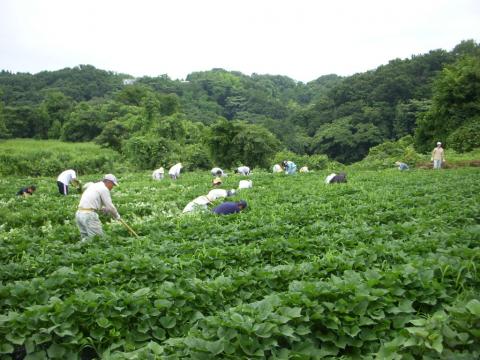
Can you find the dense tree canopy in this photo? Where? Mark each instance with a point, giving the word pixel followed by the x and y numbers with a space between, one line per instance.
pixel 229 117
pixel 455 104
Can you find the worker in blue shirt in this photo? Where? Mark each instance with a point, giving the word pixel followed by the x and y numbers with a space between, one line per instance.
pixel 230 207
pixel 401 165
pixel 290 167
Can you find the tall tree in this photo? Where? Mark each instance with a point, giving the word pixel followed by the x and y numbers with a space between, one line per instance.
pixel 344 141
pixel 456 102
pixel 236 142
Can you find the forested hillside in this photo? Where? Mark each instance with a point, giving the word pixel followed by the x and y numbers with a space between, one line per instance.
pixel 229 118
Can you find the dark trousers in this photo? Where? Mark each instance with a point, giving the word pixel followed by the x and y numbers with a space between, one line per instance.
pixel 62 188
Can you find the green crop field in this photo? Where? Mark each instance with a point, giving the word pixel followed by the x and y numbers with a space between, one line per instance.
pixel 384 267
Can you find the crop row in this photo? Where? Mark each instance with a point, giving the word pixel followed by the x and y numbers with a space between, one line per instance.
pixel 386 265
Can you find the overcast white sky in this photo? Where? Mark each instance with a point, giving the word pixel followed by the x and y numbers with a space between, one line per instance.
pixel 302 39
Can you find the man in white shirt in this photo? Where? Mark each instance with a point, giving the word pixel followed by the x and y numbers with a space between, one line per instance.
pixel 219 193
pixel 245 184
pixel 216 171
pixel 174 171
pixel 329 178
pixel 243 170
pixel 277 169
pixel 336 178
pixel 196 205
pixel 438 156
pixel 158 174
pixel 64 179
pixel 95 198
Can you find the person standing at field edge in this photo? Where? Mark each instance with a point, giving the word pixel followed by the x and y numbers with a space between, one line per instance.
pixel 95 198
pixel 64 179
pixel 438 156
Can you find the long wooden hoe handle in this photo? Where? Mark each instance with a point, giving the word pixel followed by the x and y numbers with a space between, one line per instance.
pixel 128 227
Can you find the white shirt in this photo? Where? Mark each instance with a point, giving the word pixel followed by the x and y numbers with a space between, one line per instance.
pixel 277 168
pixel 329 178
pixel 245 184
pixel 175 169
pixel 67 176
pixel 304 169
pixel 158 174
pixel 217 194
pixel 86 185
pixel 243 170
pixel 96 196
pixel 197 203
pixel 215 170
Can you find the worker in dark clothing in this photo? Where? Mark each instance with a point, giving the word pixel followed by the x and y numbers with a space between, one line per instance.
pixel 230 207
pixel 336 178
pixel 27 191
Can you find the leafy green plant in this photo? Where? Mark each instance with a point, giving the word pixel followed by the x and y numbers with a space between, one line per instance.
pixel 379 267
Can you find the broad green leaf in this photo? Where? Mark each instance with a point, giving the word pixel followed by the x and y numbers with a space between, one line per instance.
pixel 168 322
pixel 286 330
pixel 56 351
pixel 156 349
pixel 162 303
pixel 39 355
pixel 159 333
pixel 6 348
pixel 15 339
pixel 141 292
pixel 40 338
pixel 437 344
pixel 237 318
pixel 418 322
pixel 291 312
pixel 474 307
pixel 264 330
pixel 215 347
pixel 417 331
pixel 103 322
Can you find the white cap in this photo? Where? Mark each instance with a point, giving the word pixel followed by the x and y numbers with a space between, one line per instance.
pixel 112 178
pixel 439 143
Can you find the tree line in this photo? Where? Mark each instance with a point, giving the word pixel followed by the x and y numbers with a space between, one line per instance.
pixel 228 118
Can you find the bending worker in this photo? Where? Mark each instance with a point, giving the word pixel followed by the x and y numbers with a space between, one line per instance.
pixel 401 166
pixel 174 171
pixel 277 168
pixel 95 198
pixel 216 171
pixel 230 207
pixel 64 179
pixel 158 173
pixel 27 191
pixel 290 167
pixel 243 170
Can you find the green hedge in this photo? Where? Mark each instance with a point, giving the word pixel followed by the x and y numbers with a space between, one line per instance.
pixel 48 158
